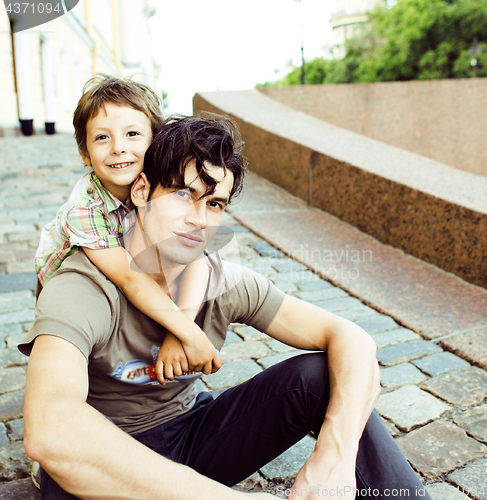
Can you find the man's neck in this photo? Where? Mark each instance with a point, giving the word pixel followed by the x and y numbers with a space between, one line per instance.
pixel 148 260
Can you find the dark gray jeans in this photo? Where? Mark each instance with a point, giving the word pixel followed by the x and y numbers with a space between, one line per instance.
pixel 247 426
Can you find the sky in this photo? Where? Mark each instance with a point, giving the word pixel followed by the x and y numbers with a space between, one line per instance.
pixel 206 45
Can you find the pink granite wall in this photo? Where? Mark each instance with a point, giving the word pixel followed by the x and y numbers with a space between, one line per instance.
pixel 445 120
pixel 429 210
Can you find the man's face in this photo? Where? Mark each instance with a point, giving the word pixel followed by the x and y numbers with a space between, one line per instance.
pixel 181 222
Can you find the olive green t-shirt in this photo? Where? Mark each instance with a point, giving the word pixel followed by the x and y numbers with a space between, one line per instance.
pixel 80 305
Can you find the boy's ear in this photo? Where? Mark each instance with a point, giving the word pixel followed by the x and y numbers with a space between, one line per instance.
pixel 86 160
pixel 140 191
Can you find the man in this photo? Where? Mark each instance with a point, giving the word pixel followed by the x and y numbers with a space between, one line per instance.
pixel 90 350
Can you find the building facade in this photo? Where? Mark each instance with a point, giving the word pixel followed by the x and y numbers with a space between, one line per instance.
pixel 345 22
pixel 45 67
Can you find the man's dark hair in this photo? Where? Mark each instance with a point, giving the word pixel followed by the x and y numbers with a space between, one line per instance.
pixel 207 138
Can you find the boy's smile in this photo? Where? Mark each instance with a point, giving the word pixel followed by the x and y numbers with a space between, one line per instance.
pixel 117 139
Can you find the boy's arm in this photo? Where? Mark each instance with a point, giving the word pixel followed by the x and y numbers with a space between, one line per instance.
pixel 147 296
pixel 192 289
pixel 171 359
pixel 82 450
pixel 354 389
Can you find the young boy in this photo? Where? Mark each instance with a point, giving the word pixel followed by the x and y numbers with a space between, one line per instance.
pixel 114 123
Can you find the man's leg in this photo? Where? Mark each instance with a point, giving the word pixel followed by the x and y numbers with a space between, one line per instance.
pixel 50 490
pixel 247 426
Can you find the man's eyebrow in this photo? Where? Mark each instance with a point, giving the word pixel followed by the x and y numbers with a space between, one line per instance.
pixel 221 199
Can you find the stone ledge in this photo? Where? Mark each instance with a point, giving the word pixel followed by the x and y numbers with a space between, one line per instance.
pixel 428 209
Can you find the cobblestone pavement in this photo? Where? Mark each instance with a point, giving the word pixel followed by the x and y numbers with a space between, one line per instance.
pixel 434 403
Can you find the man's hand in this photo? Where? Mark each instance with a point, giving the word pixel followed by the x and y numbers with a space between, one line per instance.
pixel 325 477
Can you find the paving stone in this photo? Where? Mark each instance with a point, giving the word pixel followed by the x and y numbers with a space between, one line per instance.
pixel 464 387
pixel 14 463
pixel 16 429
pixel 263 268
pixel 238 228
pixel 23 489
pixel 15 301
pixel 409 407
pixel 23 238
pixel 289 288
pixel 474 421
pixel 334 305
pixel 399 375
pixel 439 447
pixel 378 325
pixel 4 440
pixel 289 277
pixel 249 333
pixel 17 316
pixel 317 284
pixel 445 491
pixel 12 341
pixel 12 357
pixel 17 228
pixel 23 281
pixel 231 338
pixel 323 294
pixel 200 386
pixel 277 346
pixel 394 431
pixel 10 329
pixel 246 349
pixel 286 466
pixel 6 256
pixel 231 374
pixel 288 265
pixel 253 484
pixel 12 379
pixel 267 250
pixel 440 363
pixel 406 351
pixel 358 313
pixel 393 337
pixel 472 479
pixel 469 345
pixel 27 254
pixel 11 405
pixel 22 266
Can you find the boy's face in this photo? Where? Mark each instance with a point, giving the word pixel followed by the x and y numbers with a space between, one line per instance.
pixel 117 139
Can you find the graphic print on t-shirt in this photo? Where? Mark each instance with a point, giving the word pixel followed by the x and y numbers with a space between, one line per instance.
pixel 137 372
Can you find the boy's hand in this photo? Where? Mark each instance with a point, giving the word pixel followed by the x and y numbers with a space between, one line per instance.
pixel 171 359
pixel 201 354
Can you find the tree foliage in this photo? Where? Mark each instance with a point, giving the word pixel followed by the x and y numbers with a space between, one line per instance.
pixel 414 40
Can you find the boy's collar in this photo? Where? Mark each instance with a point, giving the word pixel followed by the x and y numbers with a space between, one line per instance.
pixel 111 202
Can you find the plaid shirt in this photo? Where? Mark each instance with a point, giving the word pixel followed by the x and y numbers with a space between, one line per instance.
pixel 91 218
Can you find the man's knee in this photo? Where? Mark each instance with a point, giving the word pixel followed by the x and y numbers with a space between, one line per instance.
pixel 311 369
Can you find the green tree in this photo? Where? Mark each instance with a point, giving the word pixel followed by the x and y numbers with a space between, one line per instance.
pixel 414 40
pixel 316 72
pixel 421 39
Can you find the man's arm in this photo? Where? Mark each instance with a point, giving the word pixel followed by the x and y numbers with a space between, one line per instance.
pixel 82 450
pixel 354 389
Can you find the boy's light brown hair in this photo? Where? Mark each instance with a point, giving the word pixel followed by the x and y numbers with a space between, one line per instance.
pixel 103 89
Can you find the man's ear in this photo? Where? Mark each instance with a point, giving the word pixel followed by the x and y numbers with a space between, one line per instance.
pixel 140 191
